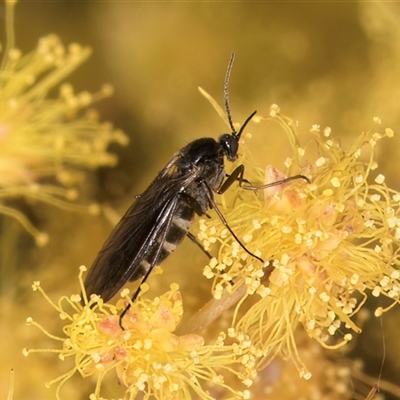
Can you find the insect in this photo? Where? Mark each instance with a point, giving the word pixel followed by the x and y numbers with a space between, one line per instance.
pixel 160 218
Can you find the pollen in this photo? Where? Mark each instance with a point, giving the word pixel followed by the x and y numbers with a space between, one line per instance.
pixel 378 312
pixel 315 128
pixel 377 136
pixel 340 207
pixel 375 197
pixel 380 179
pixel 274 110
pixel 389 132
pixel 288 162
pixel 247 238
pixel 359 179
pixel 327 131
pixel 298 239
pixel 286 229
pixel 285 258
pixel 320 162
pixel 324 297
pixel 75 298
pixel 307 376
pixel 256 224
pixel 335 182
pixel 395 275
pixel 354 279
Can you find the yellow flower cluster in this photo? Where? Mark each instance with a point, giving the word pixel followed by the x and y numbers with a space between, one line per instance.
pixel 147 357
pixel 46 140
pixel 328 245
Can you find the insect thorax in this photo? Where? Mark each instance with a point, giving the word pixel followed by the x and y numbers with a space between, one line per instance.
pixel 206 154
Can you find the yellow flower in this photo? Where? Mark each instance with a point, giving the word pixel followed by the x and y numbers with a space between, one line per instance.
pixel 147 356
pixel 45 143
pixel 328 245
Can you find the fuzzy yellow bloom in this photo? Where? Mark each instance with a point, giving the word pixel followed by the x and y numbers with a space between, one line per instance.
pixel 46 143
pixel 328 245
pixel 147 357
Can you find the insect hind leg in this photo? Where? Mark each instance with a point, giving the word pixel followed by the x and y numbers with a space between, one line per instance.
pixel 136 294
pixel 198 244
pixel 152 264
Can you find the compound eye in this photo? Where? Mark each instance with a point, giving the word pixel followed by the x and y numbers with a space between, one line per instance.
pixel 230 145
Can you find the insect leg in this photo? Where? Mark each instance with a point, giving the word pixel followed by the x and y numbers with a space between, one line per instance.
pixel 277 183
pixel 198 244
pixel 144 279
pixel 236 175
pixel 225 222
pixel 163 234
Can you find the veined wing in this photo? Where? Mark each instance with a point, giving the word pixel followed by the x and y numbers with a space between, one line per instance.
pixel 145 221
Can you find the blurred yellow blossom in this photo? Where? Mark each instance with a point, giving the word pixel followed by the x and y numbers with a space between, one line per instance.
pixel 328 245
pixel 147 357
pixel 45 143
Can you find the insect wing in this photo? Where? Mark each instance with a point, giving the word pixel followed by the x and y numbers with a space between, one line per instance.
pixel 145 221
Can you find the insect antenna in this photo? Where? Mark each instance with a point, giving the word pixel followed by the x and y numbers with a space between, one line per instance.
pixel 226 94
pixel 226 101
pixel 237 134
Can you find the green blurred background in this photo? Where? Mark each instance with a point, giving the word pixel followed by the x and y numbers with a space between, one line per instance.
pixel 330 63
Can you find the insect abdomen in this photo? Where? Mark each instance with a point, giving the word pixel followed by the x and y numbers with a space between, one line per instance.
pixel 180 224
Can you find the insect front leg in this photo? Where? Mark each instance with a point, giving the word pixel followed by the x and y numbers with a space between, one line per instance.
pixel 277 183
pixel 236 175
